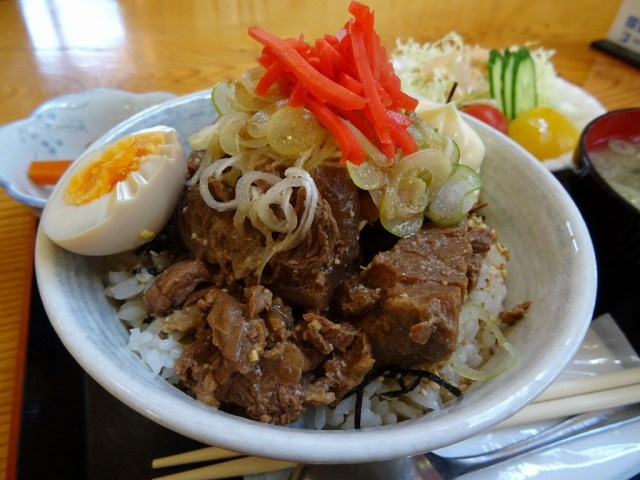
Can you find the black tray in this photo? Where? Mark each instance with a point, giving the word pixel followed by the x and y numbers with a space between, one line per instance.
pixel 72 428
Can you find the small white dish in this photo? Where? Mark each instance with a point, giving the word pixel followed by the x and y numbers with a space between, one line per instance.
pixel 61 129
pixel 552 264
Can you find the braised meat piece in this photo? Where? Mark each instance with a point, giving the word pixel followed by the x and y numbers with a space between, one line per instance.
pixel 359 298
pixel 408 299
pixel 210 236
pixel 308 274
pixel 515 313
pixel 250 355
pixel 172 287
pixel 339 191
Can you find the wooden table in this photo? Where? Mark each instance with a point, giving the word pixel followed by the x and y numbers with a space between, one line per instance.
pixel 54 47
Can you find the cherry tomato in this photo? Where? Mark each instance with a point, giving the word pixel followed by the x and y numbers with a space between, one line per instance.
pixel 488 114
pixel 545 132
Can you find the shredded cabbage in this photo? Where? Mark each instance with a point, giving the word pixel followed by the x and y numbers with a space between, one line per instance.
pixel 545 76
pixel 430 70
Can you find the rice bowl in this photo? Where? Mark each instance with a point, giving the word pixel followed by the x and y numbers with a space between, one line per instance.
pixel 549 244
pixel 381 399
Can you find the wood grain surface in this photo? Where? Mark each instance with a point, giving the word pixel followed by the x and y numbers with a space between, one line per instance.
pixel 54 47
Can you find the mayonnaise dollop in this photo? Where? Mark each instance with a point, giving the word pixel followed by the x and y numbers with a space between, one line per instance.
pixel 447 119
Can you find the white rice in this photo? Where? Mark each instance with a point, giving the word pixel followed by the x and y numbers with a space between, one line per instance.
pixel 159 351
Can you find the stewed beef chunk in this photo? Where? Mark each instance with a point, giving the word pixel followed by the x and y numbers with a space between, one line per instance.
pixel 408 299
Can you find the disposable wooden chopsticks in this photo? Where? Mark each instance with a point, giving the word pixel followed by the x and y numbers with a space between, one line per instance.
pixel 562 399
pixel 195 456
pixel 572 397
pixel 237 467
pixel 588 384
pixel 568 406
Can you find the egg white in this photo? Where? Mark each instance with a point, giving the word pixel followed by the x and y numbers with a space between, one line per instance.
pixel 128 216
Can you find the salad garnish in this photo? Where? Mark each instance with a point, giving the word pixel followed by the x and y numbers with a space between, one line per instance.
pixel 499 87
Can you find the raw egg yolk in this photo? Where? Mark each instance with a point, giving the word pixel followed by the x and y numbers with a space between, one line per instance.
pixel 544 132
pixel 114 165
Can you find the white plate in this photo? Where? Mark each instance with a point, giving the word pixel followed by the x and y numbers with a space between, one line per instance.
pixel 578 106
pixel 61 129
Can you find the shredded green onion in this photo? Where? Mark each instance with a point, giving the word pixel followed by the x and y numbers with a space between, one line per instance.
pixel 464 370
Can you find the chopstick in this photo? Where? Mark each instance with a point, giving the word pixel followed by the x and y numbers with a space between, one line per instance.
pixel 561 399
pixel 595 383
pixel 194 456
pixel 572 405
pixel 238 467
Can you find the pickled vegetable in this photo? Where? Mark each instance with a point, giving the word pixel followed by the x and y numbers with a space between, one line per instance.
pixel 292 130
pixel 456 197
pixel 408 189
pixel 221 96
pixel 292 112
pixel 231 125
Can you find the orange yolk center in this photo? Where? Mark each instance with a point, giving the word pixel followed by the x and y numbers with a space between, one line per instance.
pixel 114 165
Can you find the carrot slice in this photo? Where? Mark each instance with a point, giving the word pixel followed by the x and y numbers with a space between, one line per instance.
pixel 349 82
pixel 391 83
pixel 365 18
pixel 361 123
pixel 271 76
pixel 349 145
pixel 47 172
pixel 326 66
pixel 363 66
pixel 298 95
pixel 399 133
pixel 331 44
pixel 321 86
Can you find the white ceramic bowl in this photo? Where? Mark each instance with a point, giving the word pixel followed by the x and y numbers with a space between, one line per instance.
pixel 552 265
pixel 61 129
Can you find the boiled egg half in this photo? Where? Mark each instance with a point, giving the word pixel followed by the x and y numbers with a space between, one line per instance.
pixel 118 197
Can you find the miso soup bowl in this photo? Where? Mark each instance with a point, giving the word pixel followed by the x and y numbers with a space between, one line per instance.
pixel 552 264
pixel 612 219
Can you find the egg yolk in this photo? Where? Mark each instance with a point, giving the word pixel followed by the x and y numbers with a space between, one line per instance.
pixel 544 132
pixel 112 166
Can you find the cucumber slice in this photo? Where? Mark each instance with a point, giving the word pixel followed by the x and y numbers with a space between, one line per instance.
pixel 456 197
pixel 508 74
pixel 222 94
pixel 525 94
pixel 495 76
pixel 512 81
pixel 367 175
